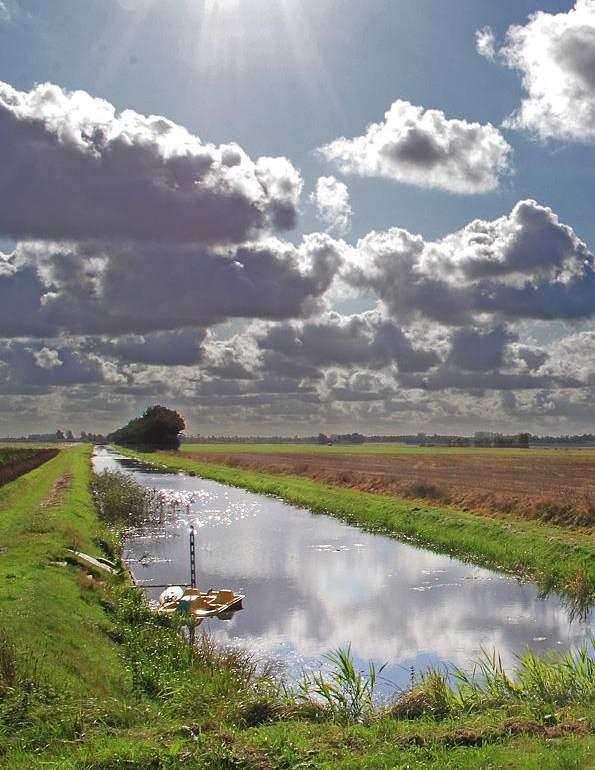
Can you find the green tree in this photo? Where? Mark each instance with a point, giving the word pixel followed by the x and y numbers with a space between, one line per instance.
pixel 158 427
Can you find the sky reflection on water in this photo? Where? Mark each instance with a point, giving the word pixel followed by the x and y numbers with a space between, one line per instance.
pixel 313 583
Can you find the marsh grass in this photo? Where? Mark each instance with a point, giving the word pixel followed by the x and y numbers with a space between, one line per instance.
pixel 541 684
pixel 347 693
pixel 121 501
pixel 8 662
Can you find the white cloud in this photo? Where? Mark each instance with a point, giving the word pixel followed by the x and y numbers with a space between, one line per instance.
pixel 331 199
pixel 524 265
pixel 485 43
pixel 74 168
pixel 46 358
pixel 425 148
pixel 555 54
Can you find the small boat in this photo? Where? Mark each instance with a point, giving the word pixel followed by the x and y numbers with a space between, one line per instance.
pixel 194 603
pixel 94 562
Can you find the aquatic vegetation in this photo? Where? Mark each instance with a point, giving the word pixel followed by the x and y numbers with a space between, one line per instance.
pixel 124 503
pixel 347 693
pixel 539 683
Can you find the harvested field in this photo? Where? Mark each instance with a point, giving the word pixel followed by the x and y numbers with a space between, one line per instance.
pixel 554 486
pixel 16 462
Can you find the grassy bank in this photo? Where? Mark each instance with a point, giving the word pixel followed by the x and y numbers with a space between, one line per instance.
pixel 558 559
pixel 91 679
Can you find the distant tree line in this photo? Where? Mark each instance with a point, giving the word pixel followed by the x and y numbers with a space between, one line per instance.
pixel 158 428
pixel 59 435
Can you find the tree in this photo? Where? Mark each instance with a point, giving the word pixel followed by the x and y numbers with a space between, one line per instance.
pixel 59 435
pixel 158 427
pixel 524 440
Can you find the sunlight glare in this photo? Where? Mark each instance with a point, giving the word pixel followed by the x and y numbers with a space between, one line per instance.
pixel 221 5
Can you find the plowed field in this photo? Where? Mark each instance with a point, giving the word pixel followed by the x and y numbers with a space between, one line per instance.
pixel 553 485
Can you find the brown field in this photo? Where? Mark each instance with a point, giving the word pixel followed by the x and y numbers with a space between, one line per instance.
pixel 17 462
pixel 557 487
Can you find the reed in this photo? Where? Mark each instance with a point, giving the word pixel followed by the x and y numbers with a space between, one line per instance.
pixel 120 500
pixel 541 684
pixel 347 692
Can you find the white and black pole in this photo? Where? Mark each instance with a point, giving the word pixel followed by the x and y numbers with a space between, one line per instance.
pixel 192 557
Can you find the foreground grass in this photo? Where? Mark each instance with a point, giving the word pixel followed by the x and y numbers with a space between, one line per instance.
pixel 90 679
pixel 558 559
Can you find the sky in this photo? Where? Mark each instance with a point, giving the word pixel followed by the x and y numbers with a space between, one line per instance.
pixel 297 216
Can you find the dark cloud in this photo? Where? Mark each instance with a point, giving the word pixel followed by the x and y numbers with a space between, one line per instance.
pixel 449 378
pixel 364 339
pixel 73 168
pixel 96 288
pixel 37 368
pixel 178 348
pixel 476 350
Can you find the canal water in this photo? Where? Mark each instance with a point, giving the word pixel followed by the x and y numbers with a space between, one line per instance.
pixel 313 583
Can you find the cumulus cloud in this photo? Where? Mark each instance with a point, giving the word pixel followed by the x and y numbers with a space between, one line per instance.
pixel 46 358
pixel 368 339
pixel 97 288
pixel 331 199
pixel 178 348
pixel 75 168
pixel 35 369
pixel 555 55
pixel 485 43
pixel 425 148
pixel 524 265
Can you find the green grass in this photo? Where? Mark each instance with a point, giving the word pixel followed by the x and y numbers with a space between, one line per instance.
pixel 375 449
pixel 90 679
pixel 10 454
pixel 40 602
pixel 558 559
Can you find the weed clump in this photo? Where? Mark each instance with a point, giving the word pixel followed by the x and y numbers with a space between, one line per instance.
pixel 120 500
pixel 430 696
pixel 347 693
pixel 541 684
pixel 8 663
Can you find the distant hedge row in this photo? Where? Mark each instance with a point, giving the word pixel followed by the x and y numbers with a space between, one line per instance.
pixel 16 462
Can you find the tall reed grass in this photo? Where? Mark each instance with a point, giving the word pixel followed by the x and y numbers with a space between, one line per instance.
pixel 347 693
pixel 120 500
pixel 541 684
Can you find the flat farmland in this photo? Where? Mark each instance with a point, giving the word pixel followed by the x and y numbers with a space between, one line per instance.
pixel 15 462
pixel 556 485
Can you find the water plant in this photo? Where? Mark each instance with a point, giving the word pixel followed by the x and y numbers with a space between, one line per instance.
pixel 347 692
pixel 539 683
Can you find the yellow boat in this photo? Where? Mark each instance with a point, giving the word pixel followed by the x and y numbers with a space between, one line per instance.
pixel 194 603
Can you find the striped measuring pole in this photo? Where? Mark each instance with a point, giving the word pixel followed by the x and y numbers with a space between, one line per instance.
pixel 192 557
